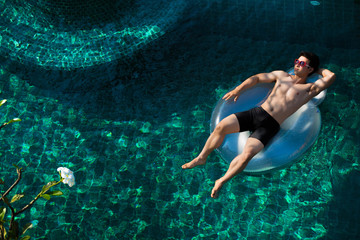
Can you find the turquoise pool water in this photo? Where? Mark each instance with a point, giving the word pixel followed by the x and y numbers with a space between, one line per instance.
pixel 125 125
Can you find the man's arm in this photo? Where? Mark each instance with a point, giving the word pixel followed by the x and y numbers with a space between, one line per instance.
pixel 250 82
pixel 322 83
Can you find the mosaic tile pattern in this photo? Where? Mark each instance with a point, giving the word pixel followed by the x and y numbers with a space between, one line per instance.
pixel 74 34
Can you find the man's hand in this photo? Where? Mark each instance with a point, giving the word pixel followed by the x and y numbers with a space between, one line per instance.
pixel 232 94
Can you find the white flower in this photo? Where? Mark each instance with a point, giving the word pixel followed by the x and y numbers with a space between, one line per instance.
pixel 67 175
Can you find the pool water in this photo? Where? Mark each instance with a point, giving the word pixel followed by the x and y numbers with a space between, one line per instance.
pixel 125 117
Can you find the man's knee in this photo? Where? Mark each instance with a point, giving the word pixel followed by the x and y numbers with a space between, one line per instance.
pixel 220 128
pixel 250 153
pixel 252 147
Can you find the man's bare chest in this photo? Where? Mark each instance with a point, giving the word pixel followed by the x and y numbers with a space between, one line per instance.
pixel 289 90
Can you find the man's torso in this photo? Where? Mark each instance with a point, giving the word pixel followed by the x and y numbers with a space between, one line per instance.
pixel 286 97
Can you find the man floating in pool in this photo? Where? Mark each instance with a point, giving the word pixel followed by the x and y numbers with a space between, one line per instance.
pixel 288 95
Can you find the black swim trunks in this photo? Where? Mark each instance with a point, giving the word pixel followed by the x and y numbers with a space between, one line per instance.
pixel 262 125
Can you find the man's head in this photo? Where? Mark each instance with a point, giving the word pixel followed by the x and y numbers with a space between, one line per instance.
pixel 308 62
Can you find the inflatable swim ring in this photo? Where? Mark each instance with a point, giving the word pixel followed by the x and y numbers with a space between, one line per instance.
pixel 296 135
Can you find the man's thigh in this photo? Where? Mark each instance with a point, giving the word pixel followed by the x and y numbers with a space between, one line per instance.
pixel 230 124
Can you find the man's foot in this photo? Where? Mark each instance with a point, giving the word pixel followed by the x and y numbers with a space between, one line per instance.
pixel 216 189
pixel 196 162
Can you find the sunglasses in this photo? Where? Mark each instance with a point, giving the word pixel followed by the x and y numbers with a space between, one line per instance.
pixel 301 63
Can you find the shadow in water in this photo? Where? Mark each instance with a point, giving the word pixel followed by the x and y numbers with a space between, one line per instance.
pixel 344 210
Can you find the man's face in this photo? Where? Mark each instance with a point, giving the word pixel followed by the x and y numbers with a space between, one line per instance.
pixel 301 66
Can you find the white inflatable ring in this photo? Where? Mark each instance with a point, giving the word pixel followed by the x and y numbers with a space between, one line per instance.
pixel 296 134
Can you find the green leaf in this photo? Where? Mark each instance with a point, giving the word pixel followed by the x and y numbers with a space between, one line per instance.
pixel 48 186
pixel 3 230
pixel 46 196
pixel 2 213
pixel 26 227
pixel 55 193
pixel 17 197
pixel 27 237
pixel 2 181
pixel 14 120
pixel 2 102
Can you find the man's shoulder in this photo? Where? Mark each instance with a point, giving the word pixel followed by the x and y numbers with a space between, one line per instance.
pixel 279 74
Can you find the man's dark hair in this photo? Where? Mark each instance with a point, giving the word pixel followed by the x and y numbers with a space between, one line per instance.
pixel 313 58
